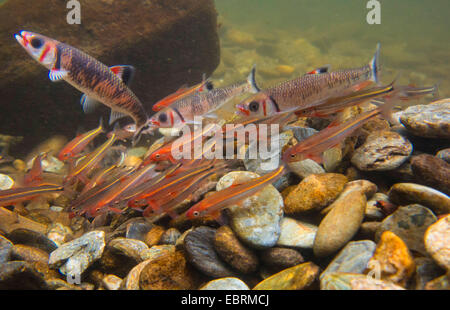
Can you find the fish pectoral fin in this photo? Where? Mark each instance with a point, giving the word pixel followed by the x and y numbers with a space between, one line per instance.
pixel 89 104
pixel 56 75
pixel 115 115
pixel 124 72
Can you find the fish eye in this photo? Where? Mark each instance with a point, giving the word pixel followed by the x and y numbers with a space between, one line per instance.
pixel 157 155
pixel 293 155
pixel 209 86
pixel 36 42
pixel 196 213
pixel 162 117
pixel 253 106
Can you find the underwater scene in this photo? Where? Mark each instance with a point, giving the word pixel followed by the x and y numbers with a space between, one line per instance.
pixel 224 145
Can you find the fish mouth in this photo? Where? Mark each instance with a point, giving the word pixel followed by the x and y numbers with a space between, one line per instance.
pixel 21 37
pixel 242 111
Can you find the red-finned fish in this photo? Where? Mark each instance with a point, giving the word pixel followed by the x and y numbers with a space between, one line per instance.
pixel 185 141
pixel 89 197
pixel 78 144
pixel 185 110
pixel 214 203
pixel 165 202
pixel 333 135
pixel 99 83
pixel 169 183
pixel 205 85
pixel 309 90
pixel 91 161
pixel 11 196
pixel 35 176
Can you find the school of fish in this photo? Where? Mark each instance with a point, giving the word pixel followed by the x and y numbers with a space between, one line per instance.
pixel 160 184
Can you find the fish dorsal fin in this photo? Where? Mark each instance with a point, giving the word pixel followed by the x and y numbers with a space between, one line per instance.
pixel 56 75
pixel 115 115
pixel 324 69
pixel 251 80
pixel 89 104
pixel 124 72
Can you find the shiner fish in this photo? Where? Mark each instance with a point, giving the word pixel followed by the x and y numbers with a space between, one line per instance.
pixel 201 104
pixel 98 82
pixel 310 89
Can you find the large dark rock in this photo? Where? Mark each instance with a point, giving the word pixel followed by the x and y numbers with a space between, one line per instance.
pixel 170 42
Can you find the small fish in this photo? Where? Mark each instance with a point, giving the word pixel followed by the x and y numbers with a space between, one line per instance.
pixel 309 90
pixel 99 83
pixel 35 175
pixel 91 161
pixel 338 104
pixel 14 195
pixel 214 203
pixel 205 85
pixel 330 137
pixel 186 109
pixel 77 145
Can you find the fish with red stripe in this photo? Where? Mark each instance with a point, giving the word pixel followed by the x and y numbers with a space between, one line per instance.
pixel 99 83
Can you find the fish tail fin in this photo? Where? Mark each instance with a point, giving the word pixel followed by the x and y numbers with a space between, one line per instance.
pixel 435 92
pixel 251 81
pixel 374 65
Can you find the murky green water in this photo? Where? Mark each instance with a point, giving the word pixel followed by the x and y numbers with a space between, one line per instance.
pixel 413 35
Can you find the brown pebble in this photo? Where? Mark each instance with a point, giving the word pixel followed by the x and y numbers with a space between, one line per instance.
pixel 232 251
pixel 281 257
pixel 432 171
pixel 29 254
pixel 154 235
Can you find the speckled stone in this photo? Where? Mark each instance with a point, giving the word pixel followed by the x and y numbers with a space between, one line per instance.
pixel 352 281
pixel 201 253
pixel 407 193
pixel 426 271
pixel 409 223
pixel 442 283
pixel 28 254
pixel 170 236
pixel 432 171
pixel 6 182
pixel 430 121
pixel 341 223
pixel 74 257
pixel 131 281
pixel 5 249
pixel 305 168
pixel 353 258
pixel 314 192
pixel 295 278
pixel 444 155
pixel 129 247
pixel 256 219
pixel 296 234
pixel 392 260
pixel 59 233
pixel 281 257
pixel 372 211
pixel 437 241
pixel 138 230
pixel 154 235
pixel 167 272
pixel 225 284
pixel 382 151
pixel 157 250
pixel 20 275
pixel 232 251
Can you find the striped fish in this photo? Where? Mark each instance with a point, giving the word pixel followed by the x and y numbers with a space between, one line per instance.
pixel 310 89
pixel 202 104
pixel 99 83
